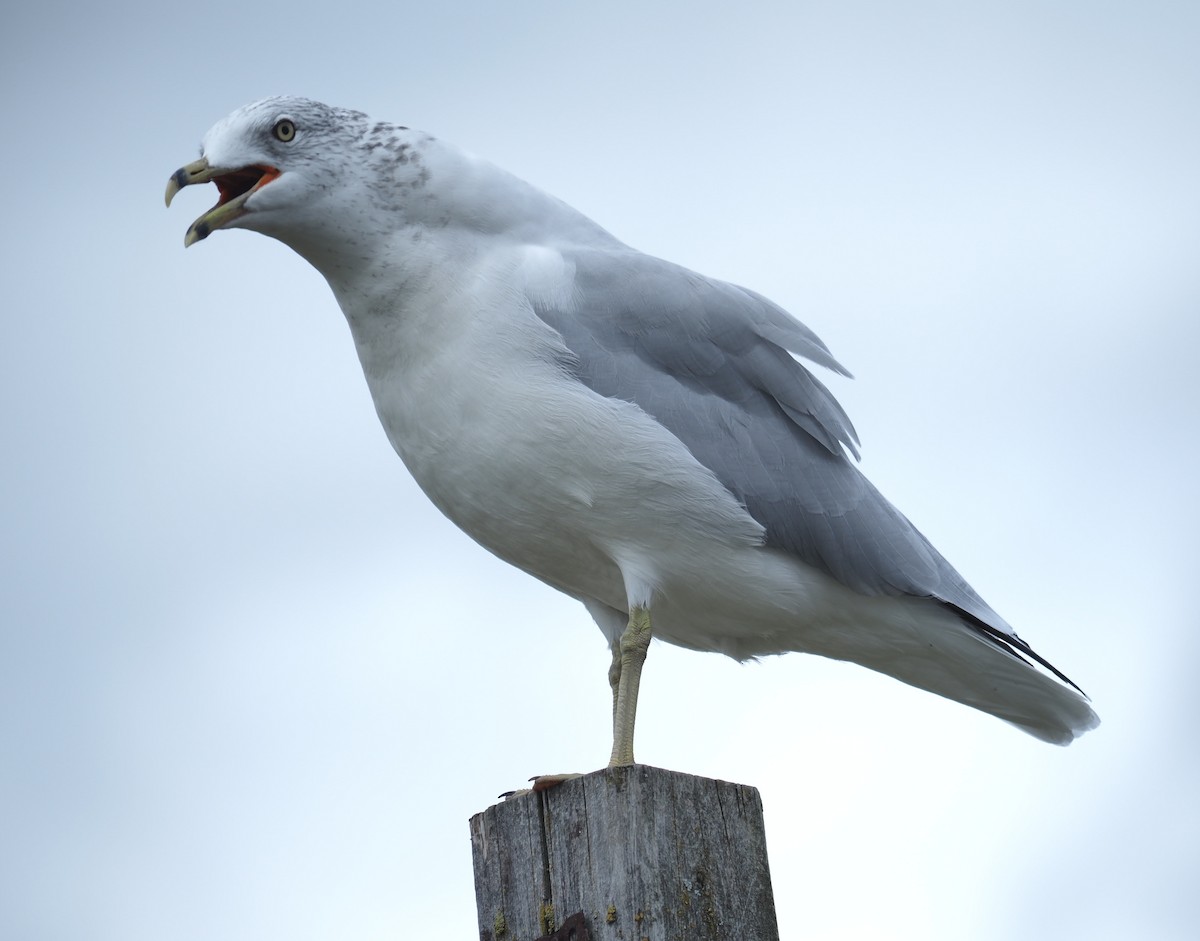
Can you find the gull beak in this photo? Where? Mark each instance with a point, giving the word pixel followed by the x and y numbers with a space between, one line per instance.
pixel 236 186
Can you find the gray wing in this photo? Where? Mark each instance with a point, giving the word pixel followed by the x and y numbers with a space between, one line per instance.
pixel 710 361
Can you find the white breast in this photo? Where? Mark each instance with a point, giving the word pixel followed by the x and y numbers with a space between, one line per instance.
pixel 584 492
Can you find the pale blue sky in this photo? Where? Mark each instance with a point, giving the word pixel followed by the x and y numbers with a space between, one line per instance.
pixel 216 577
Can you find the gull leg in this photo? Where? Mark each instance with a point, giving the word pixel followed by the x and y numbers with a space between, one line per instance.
pixel 624 675
pixel 634 643
pixel 614 679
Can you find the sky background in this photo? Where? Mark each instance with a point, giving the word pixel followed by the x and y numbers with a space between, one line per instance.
pixel 252 685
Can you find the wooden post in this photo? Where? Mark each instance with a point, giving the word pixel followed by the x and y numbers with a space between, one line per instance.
pixel 645 855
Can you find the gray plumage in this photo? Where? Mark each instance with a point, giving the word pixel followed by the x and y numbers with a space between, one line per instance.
pixel 711 362
pixel 635 434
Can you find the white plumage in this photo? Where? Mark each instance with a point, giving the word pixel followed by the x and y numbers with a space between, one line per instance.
pixel 632 433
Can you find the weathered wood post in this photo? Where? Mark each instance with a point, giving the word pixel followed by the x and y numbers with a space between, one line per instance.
pixel 644 854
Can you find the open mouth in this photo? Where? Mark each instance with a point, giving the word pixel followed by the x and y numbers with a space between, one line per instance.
pixel 242 182
pixel 234 186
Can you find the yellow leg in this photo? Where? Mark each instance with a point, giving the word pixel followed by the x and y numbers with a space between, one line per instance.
pixel 624 675
pixel 614 679
pixel 635 641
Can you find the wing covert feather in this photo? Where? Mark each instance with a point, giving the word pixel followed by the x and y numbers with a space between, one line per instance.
pixel 711 362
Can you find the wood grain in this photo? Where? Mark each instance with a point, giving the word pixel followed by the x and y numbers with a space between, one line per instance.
pixel 646 855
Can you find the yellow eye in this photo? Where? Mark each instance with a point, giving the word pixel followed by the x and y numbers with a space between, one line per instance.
pixel 284 130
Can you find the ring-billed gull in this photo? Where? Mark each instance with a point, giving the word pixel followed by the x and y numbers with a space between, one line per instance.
pixel 634 434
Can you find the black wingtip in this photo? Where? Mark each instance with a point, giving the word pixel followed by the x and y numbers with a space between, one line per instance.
pixel 1013 645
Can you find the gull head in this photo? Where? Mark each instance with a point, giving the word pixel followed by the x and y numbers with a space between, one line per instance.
pixel 287 167
pixel 346 191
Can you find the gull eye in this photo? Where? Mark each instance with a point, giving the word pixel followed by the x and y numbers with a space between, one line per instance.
pixel 284 130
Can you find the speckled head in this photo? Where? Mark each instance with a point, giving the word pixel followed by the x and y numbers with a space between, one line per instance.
pixel 278 161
